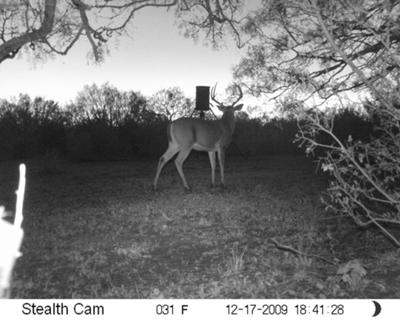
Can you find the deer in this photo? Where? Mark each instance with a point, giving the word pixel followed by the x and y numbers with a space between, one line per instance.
pixel 212 136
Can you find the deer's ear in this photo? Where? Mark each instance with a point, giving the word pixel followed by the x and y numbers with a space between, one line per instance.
pixel 221 108
pixel 238 107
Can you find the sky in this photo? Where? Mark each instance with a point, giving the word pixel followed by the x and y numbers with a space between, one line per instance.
pixel 155 56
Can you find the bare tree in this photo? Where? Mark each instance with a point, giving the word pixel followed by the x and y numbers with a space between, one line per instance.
pixel 108 105
pixel 171 103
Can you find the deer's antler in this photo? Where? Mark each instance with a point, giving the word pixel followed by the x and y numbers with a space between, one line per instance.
pixel 213 89
pixel 240 94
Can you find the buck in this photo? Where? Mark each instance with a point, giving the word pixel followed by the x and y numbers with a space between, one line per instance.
pixel 213 136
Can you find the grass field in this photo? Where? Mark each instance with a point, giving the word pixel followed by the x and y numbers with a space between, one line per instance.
pixel 97 230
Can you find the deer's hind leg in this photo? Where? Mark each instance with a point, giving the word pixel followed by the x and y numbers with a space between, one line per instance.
pixel 180 159
pixel 171 151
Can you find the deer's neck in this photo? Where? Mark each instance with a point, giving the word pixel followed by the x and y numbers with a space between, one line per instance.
pixel 228 120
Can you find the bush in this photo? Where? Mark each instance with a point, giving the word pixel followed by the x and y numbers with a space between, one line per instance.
pixel 254 137
pixel 31 128
pixel 79 145
pixel 95 141
pixel 151 139
pixel 365 174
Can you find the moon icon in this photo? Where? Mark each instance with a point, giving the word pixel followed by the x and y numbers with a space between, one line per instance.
pixel 378 308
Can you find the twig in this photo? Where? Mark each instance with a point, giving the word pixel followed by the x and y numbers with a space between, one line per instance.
pixel 299 253
pixel 166 217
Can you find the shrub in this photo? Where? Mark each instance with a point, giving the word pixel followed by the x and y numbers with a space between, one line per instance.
pixel 365 174
pixel 79 145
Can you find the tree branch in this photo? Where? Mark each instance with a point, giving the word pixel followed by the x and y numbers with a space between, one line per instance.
pixel 10 48
pixel 336 48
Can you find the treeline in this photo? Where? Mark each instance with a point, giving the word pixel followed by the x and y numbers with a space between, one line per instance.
pixel 117 125
pixel 116 129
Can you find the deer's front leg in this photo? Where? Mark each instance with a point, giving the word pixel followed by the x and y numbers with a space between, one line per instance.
pixel 221 158
pixel 211 155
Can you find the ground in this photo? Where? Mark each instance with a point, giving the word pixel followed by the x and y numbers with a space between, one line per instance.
pixel 98 230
